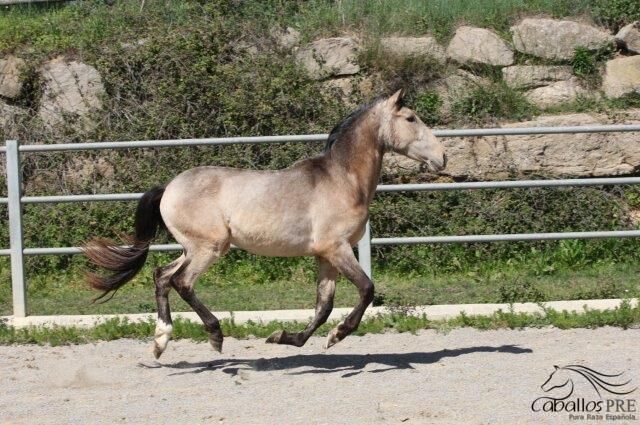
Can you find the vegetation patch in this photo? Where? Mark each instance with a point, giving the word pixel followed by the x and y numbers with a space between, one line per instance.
pixel 623 316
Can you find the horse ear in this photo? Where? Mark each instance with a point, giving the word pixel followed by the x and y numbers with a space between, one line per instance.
pixel 395 101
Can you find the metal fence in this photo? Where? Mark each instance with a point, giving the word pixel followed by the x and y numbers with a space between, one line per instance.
pixel 15 200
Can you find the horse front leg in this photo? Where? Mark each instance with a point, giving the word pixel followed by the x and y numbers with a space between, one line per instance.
pixel 347 264
pixel 326 288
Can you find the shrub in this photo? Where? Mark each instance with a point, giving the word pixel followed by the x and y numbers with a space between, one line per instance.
pixel 495 101
pixel 614 14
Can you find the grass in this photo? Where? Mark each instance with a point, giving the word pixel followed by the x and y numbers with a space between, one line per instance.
pixel 61 293
pixel 417 17
pixel 624 316
pixel 92 22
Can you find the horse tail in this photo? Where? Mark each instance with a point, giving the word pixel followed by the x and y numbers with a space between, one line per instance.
pixel 125 261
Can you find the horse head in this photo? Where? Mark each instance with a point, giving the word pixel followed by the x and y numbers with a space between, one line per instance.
pixel 402 131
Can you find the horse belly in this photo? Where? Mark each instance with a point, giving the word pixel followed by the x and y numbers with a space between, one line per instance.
pixel 271 235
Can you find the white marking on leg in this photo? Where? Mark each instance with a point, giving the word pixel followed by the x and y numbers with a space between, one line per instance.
pixel 163 334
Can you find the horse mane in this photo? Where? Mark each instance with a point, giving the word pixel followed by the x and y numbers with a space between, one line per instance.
pixel 341 130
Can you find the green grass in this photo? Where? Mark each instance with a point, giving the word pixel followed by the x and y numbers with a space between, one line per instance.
pixel 623 316
pixel 417 17
pixel 61 293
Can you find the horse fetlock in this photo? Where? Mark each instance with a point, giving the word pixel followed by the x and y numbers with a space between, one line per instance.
pixel 283 337
pixel 336 335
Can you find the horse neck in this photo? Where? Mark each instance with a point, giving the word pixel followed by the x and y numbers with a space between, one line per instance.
pixel 360 158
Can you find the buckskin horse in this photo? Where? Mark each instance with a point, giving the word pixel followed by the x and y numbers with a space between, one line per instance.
pixel 317 207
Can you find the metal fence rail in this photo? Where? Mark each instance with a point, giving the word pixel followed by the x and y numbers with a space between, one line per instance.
pixel 15 200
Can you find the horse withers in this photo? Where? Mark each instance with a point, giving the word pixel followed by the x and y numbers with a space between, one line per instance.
pixel 317 207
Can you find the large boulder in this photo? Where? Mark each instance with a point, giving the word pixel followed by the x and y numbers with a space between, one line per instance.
pixel 422 47
pixel 556 93
pixel 532 76
pixel 10 69
pixel 557 40
pixel 622 76
pixel 330 57
pixel 629 36
pixel 456 85
pixel 71 89
pixel 479 45
pixel 552 155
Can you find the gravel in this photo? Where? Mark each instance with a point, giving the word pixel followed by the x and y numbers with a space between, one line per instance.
pixel 463 376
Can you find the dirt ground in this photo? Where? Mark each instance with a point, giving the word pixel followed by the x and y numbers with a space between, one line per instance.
pixel 464 376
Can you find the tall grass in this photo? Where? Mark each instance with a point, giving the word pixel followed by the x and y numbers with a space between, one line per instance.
pixel 414 17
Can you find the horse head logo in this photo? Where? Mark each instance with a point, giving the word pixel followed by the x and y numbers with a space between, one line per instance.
pixel 563 376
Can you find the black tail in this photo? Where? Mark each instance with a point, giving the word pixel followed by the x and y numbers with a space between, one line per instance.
pixel 125 261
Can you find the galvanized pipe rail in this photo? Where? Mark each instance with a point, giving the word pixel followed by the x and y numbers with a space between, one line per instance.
pixel 15 200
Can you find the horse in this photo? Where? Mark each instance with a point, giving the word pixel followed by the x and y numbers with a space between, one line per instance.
pixel 317 207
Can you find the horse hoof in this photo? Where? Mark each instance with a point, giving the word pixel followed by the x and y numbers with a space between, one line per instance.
pixel 156 350
pixel 275 337
pixel 216 344
pixel 333 338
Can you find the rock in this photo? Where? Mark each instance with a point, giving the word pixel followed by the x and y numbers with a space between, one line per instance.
pixel 552 155
pixel 82 172
pixel 629 36
pixel 10 70
pixel 622 76
pixel 9 119
pixel 423 47
pixel 556 93
pixel 287 38
pixel 553 39
pixel 330 57
pixel 479 45
pixel 532 76
pixel 343 86
pixel 455 86
pixel 70 89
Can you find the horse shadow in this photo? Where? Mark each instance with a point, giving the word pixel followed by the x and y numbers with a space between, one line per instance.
pixel 352 364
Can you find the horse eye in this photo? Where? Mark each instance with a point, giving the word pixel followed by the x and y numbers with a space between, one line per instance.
pixel 411 119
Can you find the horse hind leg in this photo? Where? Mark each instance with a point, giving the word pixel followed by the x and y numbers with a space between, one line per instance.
pixel 198 261
pixel 326 287
pixel 164 324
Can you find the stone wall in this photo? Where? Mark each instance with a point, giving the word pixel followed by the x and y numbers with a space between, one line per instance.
pixel 72 93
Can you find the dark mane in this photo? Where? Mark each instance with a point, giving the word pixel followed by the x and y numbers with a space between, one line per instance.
pixel 348 123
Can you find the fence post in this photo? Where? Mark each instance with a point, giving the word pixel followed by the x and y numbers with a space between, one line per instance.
pixel 364 250
pixel 14 178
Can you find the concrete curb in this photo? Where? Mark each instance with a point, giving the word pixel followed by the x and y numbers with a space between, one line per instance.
pixel 433 312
